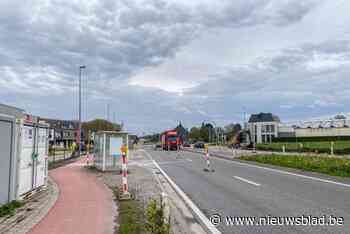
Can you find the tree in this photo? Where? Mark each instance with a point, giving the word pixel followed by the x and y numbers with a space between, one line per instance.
pixel 232 130
pixel 99 125
pixel 194 134
pixel 207 132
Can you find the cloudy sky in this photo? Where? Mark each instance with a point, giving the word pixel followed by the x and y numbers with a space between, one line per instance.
pixel 157 62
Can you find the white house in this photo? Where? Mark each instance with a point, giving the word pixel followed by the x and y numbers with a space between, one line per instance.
pixel 263 127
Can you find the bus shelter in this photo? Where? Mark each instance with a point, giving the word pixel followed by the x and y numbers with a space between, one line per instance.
pixel 107 153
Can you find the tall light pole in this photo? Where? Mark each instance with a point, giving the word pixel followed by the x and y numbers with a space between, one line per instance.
pixel 79 132
pixel 244 116
pixel 215 130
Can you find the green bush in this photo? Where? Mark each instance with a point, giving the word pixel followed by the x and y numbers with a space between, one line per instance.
pixel 134 219
pixel 10 208
pixel 157 223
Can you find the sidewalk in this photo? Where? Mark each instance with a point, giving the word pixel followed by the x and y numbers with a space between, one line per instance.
pixel 85 205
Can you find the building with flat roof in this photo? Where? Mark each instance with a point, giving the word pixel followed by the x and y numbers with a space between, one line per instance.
pixel 263 127
pixel 323 128
pixel 11 110
pixel 62 132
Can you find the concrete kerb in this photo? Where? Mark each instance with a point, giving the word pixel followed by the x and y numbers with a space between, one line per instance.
pixel 204 221
pixel 50 204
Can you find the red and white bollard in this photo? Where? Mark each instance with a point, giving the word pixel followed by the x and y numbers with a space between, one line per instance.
pixel 125 190
pixel 207 159
pixel 124 173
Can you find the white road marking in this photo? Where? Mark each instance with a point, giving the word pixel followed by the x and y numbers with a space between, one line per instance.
pixel 201 216
pixel 288 173
pixel 247 181
pixel 190 160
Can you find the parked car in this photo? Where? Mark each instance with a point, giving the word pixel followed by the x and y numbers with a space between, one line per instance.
pixel 199 145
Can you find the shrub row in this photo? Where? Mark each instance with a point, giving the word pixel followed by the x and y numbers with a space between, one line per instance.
pixel 306 150
pixel 311 139
pixel 330 166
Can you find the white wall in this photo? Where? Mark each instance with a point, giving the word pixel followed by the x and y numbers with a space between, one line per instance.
pixel 256 129
pixel 319 132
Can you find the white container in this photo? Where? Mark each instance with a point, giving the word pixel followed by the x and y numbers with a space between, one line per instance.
pixel 23 150
pixel 32 152
pixel 7 159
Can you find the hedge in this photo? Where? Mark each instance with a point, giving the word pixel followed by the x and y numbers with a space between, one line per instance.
pixel 311 139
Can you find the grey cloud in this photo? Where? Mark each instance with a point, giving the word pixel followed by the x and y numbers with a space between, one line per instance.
pixel 42 43
pixel 126 33
pixel 293 11
pixel 283 80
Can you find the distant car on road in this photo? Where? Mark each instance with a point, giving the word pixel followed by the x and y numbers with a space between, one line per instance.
pixel 199 145
pixel 186 144
pixel 157 146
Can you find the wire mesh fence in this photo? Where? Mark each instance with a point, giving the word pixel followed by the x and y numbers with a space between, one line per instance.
pixel 62 154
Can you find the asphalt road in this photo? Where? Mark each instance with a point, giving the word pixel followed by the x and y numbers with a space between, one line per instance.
pixel 244 190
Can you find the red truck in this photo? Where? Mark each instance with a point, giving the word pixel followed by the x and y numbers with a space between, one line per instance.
pixel 170 140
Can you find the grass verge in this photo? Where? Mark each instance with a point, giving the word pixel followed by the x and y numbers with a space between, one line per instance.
pixel 329 166
pixel 340 147
pixel 131 216
pixel 134 218
pixel 10 208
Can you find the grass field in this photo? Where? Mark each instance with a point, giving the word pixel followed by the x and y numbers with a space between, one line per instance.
pixel 325 165
pixel 340 147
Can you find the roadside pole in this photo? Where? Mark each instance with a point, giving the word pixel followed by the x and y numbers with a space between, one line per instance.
pixel 88 154
pixel 206 155
pixel 125 195
pixel 332 148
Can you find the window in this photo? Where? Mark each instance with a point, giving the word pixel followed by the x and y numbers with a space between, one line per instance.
pixel 172 138
pixel 272 128
pixel 268 138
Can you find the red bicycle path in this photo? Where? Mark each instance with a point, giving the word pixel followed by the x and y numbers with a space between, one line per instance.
pixel 84 205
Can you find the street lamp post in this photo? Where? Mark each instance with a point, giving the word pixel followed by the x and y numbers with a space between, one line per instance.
pixel 79 131
pixel 215 131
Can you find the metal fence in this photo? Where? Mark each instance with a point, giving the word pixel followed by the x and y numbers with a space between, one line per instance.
pixel 62 154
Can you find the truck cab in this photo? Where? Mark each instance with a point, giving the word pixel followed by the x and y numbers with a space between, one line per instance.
pixel 170 140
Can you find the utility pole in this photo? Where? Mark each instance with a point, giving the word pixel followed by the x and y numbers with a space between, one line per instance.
pixel 79 131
